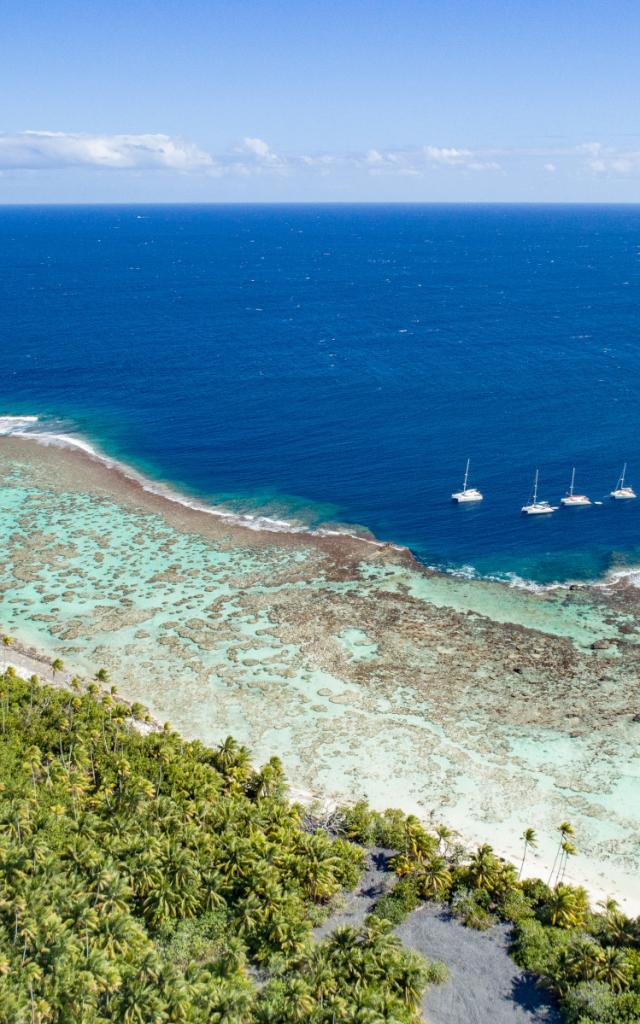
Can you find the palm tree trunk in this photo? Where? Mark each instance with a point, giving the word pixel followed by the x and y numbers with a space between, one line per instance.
pixel 553 867
pixel 523 858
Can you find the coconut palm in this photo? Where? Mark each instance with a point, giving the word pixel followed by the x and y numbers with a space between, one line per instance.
pixel 434 878
pixel 581 960
pixel 615 968
pixel 445 836
pixel 530 839
pixel 568 850
pixel 566 906
pixel 484 869
pixel 140 874
pixel 566 832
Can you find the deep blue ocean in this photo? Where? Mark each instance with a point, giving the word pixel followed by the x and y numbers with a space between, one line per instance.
pixel 340 363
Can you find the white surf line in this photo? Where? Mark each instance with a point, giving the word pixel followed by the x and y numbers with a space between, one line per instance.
pixel 14 424
pixel 20 427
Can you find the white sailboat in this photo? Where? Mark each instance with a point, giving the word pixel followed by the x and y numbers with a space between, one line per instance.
pixel 571 499
pixel 622 491
pixel 467 493
pixel 535 507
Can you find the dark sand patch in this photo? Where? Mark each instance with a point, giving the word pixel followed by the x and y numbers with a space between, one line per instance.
pixel 486 986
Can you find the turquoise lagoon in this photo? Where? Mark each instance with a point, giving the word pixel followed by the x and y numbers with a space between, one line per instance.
pixel 466 701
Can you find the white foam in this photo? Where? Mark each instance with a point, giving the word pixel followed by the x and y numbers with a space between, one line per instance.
pixel 510 579
pixel 614 576
pixel 22 427
pixel 16 424
pixel 25 427
pixel 519 583
pixel 63 441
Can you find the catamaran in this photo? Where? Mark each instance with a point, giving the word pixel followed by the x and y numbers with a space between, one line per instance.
pixel 571 499
pixel 467 493
pixel 622 491
pixel 535 507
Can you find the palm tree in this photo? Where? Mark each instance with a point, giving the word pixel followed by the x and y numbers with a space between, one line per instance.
pixel 445 835
pixel 33 685
pixel 234 761
pixel 566 906
pixel 57 665
pixel 566 831
pixel 434 878
pixel 102 675
pixel 33 758
pixel 484 869
pixel 410 981
pixel 270 780
pixel 618 929
pixel 418 842
pixel 615 969
pixel 581 959
pixel 7 641
pixel 568 850
pixel 322 980
pixel 299 1001
pixel 530 840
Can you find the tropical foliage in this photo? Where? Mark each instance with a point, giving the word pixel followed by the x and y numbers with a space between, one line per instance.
pixel 147 879
pixel 590 960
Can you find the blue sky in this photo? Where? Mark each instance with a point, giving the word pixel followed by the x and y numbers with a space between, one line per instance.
pixel 303 101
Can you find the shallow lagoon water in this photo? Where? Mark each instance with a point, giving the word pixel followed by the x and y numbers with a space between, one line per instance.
pixel 470 702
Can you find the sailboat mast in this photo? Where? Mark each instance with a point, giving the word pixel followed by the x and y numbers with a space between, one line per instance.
pixel 535 488
pixel 624 470
pixel 573 480
pixel 466 475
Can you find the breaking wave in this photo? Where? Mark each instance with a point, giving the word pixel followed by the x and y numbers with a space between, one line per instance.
pixel 57 434
pixel 33 428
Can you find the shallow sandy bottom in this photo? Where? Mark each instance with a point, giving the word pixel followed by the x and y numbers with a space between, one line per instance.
pixel 468 702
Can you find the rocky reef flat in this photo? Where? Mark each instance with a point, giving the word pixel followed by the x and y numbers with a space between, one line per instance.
pixel 484 706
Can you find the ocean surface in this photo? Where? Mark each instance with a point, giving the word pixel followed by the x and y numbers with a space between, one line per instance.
pixel 328 365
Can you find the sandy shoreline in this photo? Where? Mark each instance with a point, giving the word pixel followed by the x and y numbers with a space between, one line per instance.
pixel 28 662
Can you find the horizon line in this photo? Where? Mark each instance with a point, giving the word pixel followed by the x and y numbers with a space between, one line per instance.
pixel 322 202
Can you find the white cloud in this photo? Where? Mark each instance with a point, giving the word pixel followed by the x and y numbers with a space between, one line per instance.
pixel 483 165
pixel 253 157
pixel 443 155
pixel 323 160
pixel 37 150
pixel 257 147
pixel 609 160
pixel 415 161
pixel 590 148
pixel 262 153
pixel 626 164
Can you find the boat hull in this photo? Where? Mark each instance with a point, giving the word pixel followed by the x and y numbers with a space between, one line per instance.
pixel 576 500
pixel 538 510
pixel 465 497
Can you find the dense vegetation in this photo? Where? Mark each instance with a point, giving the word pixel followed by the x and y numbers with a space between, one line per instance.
pixel 145 879
pixel 591 961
